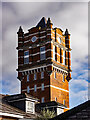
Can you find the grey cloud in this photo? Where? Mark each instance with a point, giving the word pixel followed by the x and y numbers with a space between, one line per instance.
pixel 45 1
pixel 79 98
pixel 63 15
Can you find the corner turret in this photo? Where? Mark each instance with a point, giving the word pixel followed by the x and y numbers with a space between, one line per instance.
pixel 20 36
pixel 67 44
pixel 49 23
pixel 42 23
pixel 20 30
pixel 67 39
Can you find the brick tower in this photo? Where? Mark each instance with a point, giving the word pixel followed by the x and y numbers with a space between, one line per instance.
pixel 44 62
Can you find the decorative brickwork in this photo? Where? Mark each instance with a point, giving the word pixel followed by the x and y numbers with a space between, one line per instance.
pixel 45 49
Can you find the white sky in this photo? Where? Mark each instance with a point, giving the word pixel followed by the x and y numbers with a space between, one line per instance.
pixel 71 15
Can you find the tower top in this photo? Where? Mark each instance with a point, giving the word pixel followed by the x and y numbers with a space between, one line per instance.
pixel 20 30
pixel 49 21
pixel 66 32
pixel 42 23
pixel 44 62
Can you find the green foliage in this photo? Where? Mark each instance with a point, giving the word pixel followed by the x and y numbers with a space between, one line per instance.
pixel 46 114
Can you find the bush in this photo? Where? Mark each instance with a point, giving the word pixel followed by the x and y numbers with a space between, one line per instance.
pixel 46 114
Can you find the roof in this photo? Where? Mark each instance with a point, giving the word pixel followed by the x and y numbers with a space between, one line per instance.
pixel 73 111
pixel 1 96
pixel 19 96
pixel 42 23
pixel 66 32
pixel 7 110
pixel 50 104
pixel 20 30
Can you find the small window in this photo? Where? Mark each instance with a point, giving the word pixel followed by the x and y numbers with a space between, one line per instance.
pixel 42 100
pixel 42 75
pixel 64 57
pixel 35 76
pixel 35 88
pixel 26 60
pixel 55 98
pixel 29 106
pixel 63 102
pixel 42 49
pixel 53 52
pixel 26 57
pixel 60 55
pixel 59 39
pixel 63 78
pixel 42 86
pixel 42 53
pixel 55 75
pixel 26 53
pixel 28 89
pixel 42 56
pixel 27 78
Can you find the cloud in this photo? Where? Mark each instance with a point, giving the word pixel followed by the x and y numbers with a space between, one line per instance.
pixel 83 75
pixel 78 98
pixel 9 57
pixel 10 86
pixel 45 1
pixel 77 85
pixel 63 15
pixel 78 88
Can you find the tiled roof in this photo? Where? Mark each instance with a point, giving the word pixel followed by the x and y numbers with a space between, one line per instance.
pixel 18 96
pixel 51 103
pixel 2 95
pixel 5 108
pixel 81 112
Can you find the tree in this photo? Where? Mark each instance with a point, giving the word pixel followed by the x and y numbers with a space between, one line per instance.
pixel 46 114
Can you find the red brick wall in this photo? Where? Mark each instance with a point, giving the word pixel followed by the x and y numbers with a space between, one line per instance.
pixel 49 93
pixel 56 92
pixel 39 93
